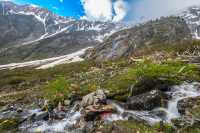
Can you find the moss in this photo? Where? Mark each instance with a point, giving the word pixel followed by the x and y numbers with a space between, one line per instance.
pixel 8 125
pixel 164 127
pixel 191 129
pixel 196 111
pixel 134 127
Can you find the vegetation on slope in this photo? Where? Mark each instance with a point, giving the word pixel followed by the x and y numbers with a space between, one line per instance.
pixel 117 77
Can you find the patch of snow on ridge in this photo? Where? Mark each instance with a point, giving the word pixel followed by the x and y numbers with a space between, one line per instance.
pixel 74 57
pixel 47 63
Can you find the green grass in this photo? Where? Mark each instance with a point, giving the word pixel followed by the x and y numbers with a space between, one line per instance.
pixel 87 76
pixel 134 127
pixel 8 125
pixel 170 50
pixel 57 89
pixel 174 72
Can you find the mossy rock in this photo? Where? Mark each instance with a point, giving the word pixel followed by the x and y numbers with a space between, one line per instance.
pixel 146 84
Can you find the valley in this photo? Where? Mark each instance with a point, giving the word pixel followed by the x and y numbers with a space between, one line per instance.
pixel 59 74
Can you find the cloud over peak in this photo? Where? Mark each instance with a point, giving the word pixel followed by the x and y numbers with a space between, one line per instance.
pixel 104 10
pixel 132 10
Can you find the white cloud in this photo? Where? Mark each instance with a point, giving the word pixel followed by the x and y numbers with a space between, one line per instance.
pixel 131 10
pixel 150 9
pixel 120 9
pixel 98 9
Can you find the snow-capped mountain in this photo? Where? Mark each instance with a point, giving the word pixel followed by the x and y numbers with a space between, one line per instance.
pixel 192 17
pixel 30 32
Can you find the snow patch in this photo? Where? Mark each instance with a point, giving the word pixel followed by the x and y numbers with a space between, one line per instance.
pixel 50 62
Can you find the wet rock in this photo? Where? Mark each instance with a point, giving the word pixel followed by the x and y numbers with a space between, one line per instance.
pixel 93 112
pixel 60 115
pixel 100 108
pixel 67 102
pixel 19 110
pixel 189 107
pixel 60 107
pixel 147 84
pixel 146 101
pixel 93 98
pixel 89 127
pixel 160 113
pixel 182 122
pixel 4 108
pixel 91 116
pixel 41 116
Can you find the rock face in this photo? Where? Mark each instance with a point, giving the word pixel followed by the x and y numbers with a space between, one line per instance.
pixel 29 32
pixel 124 43
pixel 146 101
pixel 192 16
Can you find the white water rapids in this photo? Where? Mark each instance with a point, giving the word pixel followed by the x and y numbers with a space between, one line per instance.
pixel 177 93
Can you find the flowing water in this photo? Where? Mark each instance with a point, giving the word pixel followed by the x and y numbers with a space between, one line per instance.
pixel 177 93
pixel 65 125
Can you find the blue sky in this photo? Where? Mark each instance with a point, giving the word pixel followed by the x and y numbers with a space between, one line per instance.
pixel 133 11
pixel 71 8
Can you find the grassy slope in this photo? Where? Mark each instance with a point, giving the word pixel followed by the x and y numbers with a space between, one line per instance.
pixel 58 83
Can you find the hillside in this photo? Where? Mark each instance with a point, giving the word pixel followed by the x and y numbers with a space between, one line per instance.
pixel 31 33
pixel 78 76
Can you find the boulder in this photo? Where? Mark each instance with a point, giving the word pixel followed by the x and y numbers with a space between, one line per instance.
pixel 146 101
pixel 189 107
pixel 94 111
pixel 93 98
pixel 147 84
pixel 182 122
pixel 41 116
pixel 67 102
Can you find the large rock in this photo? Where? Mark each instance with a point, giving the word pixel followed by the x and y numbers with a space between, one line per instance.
pixel 93 98
pixel 147 84
pixel 182 122
pixel 146 101
pixel 95 104
pixel 189 107
pixel 41 116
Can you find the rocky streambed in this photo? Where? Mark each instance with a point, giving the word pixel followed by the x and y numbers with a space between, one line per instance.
pixel 174 105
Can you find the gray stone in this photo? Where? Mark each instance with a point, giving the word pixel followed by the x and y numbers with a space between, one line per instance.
pixel 93 98
pixel 146 101
pixel 41 115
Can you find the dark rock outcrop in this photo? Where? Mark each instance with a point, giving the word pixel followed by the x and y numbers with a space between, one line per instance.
pixel 147 84
pixel 146 101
